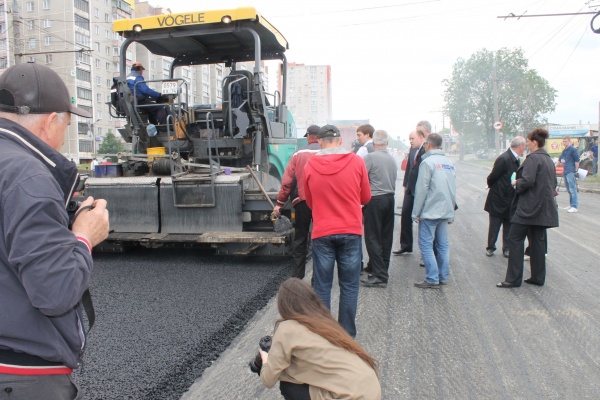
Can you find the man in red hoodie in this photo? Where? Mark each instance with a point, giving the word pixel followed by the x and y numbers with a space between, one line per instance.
pixel 292 186
pixel 336 185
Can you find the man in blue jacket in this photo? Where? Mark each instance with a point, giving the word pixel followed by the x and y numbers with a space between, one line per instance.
pixel 45 255
pixel 569 160
pixel 145 95
pixel 435 201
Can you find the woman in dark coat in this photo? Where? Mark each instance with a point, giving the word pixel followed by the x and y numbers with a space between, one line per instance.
pixel 534 209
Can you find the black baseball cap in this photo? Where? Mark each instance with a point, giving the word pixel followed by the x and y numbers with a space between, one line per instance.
pixel 35 89
pixel 312 130
pixel 329 131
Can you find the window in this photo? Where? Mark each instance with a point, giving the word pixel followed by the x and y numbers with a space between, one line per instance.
pixel 47 23
pixel 83 75
pixel 106 34
pixel 46 4
pixel 2 45
pixel 81 39
pixel 84 93
pixel 31 59
pixel 30 6
pixel 3 63
pixel 107 50
pixel 82 5
pixel 82 22
pixel 85 108
pixel 96 13
pixel 99 116
pixel 98 98
pixel 107 17
pixel 108 67
pixel 97 46
pixel 48 58
pixel 84 58
pixel 30 25
pixel 97 64
pixel 98 80
pixel 48 40
pixel 97 29
pixel 32 43
pixel 116 51
pixel 152 64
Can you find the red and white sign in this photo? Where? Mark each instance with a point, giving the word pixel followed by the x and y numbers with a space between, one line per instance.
pixel 498 125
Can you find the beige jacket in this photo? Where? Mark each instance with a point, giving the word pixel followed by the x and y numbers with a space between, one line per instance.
pixel 298 355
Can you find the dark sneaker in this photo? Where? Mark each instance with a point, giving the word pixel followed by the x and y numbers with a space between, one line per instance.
pixel 505 253
pixel 427 285
pixel 443 283
pixel 373 282
pixel 489 253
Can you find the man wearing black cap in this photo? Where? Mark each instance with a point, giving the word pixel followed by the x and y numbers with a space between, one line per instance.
pixel 337 185
pixel 292 186
pixel 145 95
pixel 45 256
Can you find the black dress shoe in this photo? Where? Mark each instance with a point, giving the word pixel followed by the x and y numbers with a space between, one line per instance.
pixel 401 251
pixel 506 285
pixel 373 282
pixel 489 253
pixel 505 253
pixel 531 282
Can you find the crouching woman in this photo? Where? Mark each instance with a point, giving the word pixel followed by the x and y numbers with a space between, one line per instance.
pixel 312 355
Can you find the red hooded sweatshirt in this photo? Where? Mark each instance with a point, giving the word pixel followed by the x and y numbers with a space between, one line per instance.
pixel 336 185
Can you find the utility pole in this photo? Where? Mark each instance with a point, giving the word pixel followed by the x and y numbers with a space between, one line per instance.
pixel 18 41
pixel 495 109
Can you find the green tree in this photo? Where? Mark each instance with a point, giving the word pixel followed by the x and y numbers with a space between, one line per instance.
pixel 523 95
pixel 111 145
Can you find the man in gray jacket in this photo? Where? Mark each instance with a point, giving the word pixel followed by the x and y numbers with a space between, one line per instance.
pixel 45 254
pixel 433 210
pixel 379 212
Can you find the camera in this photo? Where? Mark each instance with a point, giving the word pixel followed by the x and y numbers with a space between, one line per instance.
pixel 256 363
pixel 73 206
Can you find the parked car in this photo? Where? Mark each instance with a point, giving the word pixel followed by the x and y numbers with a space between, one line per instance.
pixel 481 154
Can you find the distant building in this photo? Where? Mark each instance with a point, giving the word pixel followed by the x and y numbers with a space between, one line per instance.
pixel 309 94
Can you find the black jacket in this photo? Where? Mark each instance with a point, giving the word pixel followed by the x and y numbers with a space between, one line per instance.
pixel 412 170
pixel 501 192
pixel 534 202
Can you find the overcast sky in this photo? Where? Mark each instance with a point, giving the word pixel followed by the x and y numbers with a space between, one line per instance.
pixel 389 57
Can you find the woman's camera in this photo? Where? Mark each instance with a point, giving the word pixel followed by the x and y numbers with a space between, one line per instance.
pixel 256 363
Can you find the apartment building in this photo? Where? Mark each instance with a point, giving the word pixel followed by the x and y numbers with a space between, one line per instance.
pixel 309 94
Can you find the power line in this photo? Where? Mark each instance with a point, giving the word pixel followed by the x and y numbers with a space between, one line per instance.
pixel 511 15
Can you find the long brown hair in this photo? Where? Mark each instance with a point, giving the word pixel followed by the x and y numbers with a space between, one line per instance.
pixel 298 301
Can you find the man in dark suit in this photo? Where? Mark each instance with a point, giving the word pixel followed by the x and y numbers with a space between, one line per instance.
pixel 501 195
pixel 416 139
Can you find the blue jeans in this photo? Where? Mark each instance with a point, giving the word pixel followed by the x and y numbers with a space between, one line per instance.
pixel 437 268
pixel 344 249
pixel 572 189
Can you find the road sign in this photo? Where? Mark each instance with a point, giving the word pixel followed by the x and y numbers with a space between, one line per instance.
pixel 498 125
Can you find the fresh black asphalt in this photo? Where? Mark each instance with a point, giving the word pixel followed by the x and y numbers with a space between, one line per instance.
pixel 163 316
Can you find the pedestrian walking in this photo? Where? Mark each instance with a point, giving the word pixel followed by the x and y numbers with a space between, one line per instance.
pixel 336 186
pixel 379 212
pixel 501 194
pixel 292 186
pixel 569 160
pixel 435 202
pixel 45 257
pixel 533 211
